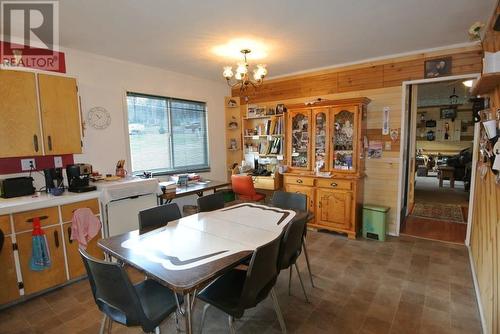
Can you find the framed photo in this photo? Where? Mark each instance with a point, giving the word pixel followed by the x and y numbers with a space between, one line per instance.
pixel 270 111
pixel 448 113
pixel 437 67
pixel 280 109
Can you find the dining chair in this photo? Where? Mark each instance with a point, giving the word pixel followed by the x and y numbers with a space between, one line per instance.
pixel 291 247
pixel 158 216
pixel 145 304
pixel 238 290
pixel 211 202
pixel 243 186
pixel 296 201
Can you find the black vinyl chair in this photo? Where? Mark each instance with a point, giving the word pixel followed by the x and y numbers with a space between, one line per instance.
pixel 145 304
pixel 158 216
pixel 291 247
pixel 211 202
pixel 238 290
pixel 294 201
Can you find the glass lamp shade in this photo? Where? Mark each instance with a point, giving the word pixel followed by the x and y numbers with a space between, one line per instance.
pixel 228 72
pixel 242 68
pixel 260 72
pixel 239 76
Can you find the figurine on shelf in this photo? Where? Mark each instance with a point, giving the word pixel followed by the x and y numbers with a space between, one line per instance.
pixel 319 165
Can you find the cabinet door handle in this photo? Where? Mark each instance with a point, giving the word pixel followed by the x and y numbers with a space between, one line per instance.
pixel 35 142
pixel 56 238
pixel 69 235
pixel 49 142
pixel 319 204
pixel 299 181
pixel 333 184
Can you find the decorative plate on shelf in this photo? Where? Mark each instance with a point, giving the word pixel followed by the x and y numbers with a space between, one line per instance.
pixel 98 118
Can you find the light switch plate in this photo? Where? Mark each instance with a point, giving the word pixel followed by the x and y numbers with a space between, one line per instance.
pixel 28 164
pixel 58 162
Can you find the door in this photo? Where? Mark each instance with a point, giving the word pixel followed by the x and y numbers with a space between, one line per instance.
pixel 344 146
pixel 19 118
pixel 60 114
pixel 308 191
pixel 39 280
pixel 320 139
pixel 412 148
pixel 333 208
pixel 300 132
pixel 9 290
pixel 75 264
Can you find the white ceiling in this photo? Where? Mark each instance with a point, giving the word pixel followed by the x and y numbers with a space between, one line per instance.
pixel 179 34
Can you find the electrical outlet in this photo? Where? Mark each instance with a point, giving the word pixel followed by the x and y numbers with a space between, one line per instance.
pixel 28 164
pixel 58 162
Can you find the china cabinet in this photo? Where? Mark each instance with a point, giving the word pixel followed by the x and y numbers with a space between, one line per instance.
pixel 326 148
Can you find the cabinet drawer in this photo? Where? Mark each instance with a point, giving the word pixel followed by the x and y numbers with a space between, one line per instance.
pixel 68 209
pixel 335 184
pixel 5 224
pixel 49 216
pixel 303 181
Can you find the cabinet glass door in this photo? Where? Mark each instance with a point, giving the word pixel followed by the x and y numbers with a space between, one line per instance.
pixel 300 124
pixel 320 141
pixel 343 140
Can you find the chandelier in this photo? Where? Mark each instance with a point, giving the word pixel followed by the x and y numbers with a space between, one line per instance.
pixel 242 77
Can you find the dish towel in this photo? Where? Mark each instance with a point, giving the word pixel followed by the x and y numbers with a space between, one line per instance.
pixel 40 253
pixel 84 227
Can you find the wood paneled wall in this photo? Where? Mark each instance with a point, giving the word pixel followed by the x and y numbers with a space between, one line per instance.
pixel 373 75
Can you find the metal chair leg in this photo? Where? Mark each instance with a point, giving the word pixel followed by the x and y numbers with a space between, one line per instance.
pixel 307 261
pixel 205 308
pixel 157 330
pixel 177 326
pixel 290 282
pixel 231 325
pixel 277 309
pixel 181 311
pixel 300 279
pixel 110 325
pixel 103 324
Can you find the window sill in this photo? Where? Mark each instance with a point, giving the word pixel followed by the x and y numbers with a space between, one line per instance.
pixel 170 172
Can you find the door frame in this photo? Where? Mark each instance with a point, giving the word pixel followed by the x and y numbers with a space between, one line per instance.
pixel 404 137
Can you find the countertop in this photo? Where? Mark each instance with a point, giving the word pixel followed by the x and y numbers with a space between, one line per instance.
pixel 42 200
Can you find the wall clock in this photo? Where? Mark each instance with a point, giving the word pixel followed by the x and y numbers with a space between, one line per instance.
pixel 99 118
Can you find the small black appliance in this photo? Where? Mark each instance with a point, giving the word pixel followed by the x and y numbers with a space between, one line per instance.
pixel 79 177
pixel 53 178
pixel 17 186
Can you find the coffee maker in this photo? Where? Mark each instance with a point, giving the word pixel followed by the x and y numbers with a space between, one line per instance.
pixel 53 179
pixel 79 177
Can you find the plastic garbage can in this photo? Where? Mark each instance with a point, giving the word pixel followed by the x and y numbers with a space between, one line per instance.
pixel 374 221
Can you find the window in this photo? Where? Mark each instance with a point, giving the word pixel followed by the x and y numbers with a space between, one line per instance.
pixel 167 135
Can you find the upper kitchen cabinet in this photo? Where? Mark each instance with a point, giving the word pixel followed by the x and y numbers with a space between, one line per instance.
pixel 19 118
pixel 60 114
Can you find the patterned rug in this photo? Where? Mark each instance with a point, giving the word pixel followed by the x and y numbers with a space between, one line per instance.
pixel 447 212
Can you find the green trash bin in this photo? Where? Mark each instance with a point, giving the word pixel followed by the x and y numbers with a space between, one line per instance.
pixel 374 221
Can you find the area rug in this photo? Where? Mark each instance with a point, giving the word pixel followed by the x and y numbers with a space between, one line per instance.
pixel 446 212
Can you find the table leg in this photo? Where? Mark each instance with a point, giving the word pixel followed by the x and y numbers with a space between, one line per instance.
pixel 187 316
pixel 452 181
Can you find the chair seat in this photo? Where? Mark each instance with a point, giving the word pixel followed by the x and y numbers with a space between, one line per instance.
pixel 157 300
pixel 257 197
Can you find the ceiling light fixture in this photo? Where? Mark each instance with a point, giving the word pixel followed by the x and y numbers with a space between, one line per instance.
pixel 242 77
pixel 467 83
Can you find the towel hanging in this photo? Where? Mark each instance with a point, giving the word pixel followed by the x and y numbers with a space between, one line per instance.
pixel 40 255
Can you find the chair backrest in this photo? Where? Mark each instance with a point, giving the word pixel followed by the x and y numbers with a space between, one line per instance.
pixel 261 274
pixel 113 292
pixel 243 185
pixel 286 200
pixel 291 244
pixel 211 202
pixel 158 216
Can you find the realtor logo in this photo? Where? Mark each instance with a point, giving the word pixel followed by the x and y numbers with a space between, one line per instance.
pixel 30 34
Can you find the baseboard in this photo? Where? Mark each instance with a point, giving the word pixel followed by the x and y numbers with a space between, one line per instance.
pixel 478 294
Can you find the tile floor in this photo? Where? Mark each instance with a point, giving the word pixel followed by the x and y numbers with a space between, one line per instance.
pixel 405 285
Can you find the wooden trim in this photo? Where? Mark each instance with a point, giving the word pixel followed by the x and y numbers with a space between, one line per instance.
pixel 328 103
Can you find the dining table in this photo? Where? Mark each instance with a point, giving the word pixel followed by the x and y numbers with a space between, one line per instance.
pixel 188 253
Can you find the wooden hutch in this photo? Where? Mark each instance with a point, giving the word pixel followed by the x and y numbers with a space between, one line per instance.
pixel 330 133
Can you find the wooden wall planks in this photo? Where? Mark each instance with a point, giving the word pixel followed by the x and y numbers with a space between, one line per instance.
pixel 386 73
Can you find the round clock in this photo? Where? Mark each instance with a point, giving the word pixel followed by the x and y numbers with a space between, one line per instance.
pixel 99 118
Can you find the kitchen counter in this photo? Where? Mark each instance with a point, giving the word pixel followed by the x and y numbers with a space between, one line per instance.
pixel 42 200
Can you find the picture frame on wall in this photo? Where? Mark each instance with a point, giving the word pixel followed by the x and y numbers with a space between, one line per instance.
pixel 280 109
pixel 437 67
pixel 448 113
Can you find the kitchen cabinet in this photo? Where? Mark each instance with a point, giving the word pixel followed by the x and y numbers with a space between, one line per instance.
pixel 35 281
pixel 19 118
pixel 35 103
pixel 337 130
pixel 8 278
pixel 60 114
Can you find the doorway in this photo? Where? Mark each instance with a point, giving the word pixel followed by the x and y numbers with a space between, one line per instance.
pixel 437 160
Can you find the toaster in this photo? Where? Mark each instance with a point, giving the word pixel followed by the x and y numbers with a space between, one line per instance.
pixel 17 186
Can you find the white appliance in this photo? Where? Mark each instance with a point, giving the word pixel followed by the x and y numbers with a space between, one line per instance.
pixel 123 199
